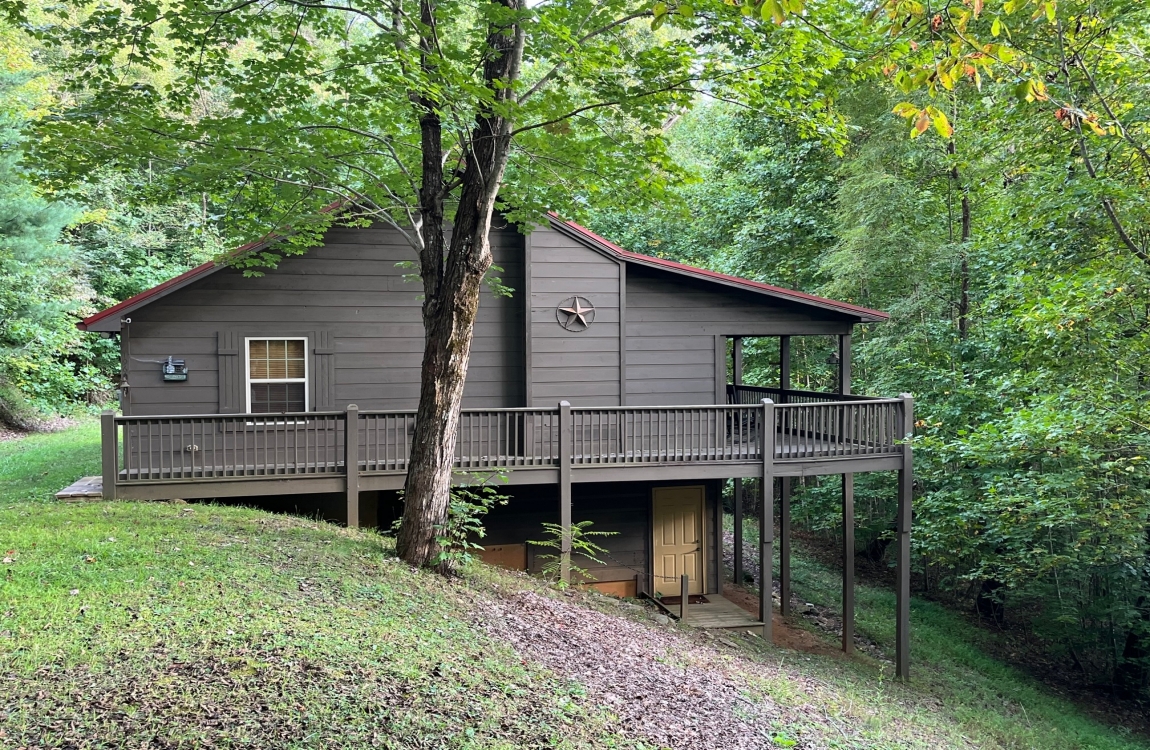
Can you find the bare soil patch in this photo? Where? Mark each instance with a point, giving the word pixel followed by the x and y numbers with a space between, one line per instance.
pixel 822 618
pixel 51 424
pixel 785 634
pixel 668 687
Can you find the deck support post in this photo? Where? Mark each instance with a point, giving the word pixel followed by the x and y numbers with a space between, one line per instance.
pixel 848 502
pixel 848 489
pixel 785 487
pixel 905 515
pixel 785 548
pixel 685 592
pixel 767 520
pixel 845 363
pixel 351 463
pixel 784 366
pixel 565 447
pixel 738 571
pixel 737 360
pixel 108 451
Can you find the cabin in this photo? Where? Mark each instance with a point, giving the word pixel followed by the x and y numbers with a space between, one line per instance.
pixel 606 387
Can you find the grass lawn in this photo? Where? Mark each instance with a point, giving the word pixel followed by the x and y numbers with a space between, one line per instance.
pixel 998 702
pixel 40 465
pixel 175 625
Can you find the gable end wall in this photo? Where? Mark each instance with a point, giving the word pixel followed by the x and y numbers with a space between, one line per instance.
pixel 360 316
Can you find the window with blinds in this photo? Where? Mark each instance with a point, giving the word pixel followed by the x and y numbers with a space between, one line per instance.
pixel 277 375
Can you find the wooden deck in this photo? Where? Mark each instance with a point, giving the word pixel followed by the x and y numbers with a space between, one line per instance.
pixel 719 613
pixel 216 455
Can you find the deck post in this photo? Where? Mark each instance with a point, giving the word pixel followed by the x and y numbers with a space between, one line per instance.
pixel 685 591
pixel 848 563
pixel 905 515
pixel 785 549
pixel 848 505
pixel 845 363
pixel 738 571
pixel 737 361
pixel 108 451
pixel 767 520
pixel 565 447
pixel 784 366
pixel 351 463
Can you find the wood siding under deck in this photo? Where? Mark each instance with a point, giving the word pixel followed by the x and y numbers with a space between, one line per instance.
pixel 621 508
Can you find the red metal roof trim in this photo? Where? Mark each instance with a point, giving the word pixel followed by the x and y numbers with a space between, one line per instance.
pixel 715 275
pixel 184 278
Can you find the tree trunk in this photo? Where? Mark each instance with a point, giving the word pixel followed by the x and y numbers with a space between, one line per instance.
pixel 989 602
pixel 964 265
pixel 451 282
pixel 1132 676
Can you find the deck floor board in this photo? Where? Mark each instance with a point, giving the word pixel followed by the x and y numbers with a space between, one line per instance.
pixel 83 488
pixel 719 612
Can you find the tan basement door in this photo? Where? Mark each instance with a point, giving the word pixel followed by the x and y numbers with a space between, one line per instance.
pixel 677 521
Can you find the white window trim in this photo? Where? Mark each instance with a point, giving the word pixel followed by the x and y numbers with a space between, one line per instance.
pixel 248 371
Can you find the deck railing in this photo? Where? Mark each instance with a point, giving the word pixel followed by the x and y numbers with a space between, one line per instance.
pixel 216 446
pixel 487 439
pixel 848 428
pixel 658 434
pixel 314 444
pixel 754 394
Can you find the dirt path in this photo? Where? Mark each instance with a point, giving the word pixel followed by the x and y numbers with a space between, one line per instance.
pixel 684 690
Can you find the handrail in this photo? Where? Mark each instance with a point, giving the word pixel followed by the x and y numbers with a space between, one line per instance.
pixel 849 400
pixel 734 389
pixel 276 415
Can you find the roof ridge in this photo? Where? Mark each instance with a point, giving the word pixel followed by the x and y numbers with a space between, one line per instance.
pixel 717 275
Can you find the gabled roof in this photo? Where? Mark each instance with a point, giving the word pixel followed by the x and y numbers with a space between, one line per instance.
pixel 109 319
pixel 863 314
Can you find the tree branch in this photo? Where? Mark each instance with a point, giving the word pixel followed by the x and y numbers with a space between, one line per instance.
pixel 590 35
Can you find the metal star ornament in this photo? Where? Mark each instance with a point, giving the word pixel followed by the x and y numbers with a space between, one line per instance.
pixel 575 314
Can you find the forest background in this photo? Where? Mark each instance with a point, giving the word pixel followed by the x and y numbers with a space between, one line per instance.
pixel 984 179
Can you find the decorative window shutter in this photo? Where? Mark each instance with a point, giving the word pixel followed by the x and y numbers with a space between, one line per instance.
pixel 231 372
pixel 324 371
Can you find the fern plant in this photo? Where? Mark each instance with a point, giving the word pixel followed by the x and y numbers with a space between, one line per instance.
pixel 581 544
pixel 467 506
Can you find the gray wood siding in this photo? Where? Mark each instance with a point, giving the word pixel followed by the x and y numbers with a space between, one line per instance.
pixel 620 507
pixel 362 319
pixel 582 367
pixel 671 325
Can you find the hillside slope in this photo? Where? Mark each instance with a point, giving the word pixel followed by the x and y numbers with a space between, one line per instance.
pixel 173 625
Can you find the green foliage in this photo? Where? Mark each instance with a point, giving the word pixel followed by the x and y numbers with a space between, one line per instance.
pixel 44 360
pixel 457 538
pixel 1024 341
pixel 129 241
pixel 581 544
